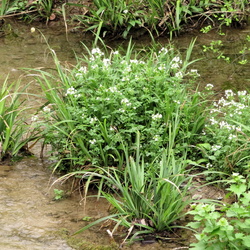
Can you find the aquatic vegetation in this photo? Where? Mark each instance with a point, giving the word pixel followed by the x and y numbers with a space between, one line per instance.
pixel 226 134
pixel 28 10
pixel 7 7
pixel 59 194
pixel 146 197
pixel 225 226
pixel 14 131
pixel 104 101
pixel 119 17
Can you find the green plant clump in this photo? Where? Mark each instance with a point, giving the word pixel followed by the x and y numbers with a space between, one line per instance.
pixel 146 198
pixel 228 228
pixel 104 101
pixel 225 139
pixel 120 17
pixel 14 130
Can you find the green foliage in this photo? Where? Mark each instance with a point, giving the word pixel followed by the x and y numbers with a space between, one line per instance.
pixel 7 7
pixel 58 194
pixel 28 10
pixel 146 197
pixel 227 228
pixel 14 132
pixel 226 135
pixel 105 100
pixel 119 17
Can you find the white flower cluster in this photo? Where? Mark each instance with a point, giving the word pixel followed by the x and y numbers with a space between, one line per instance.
pixel 156 138
pixel 215 147
pixel 179 75
pixel 126 102
pixel 97 51
pixel 163 51
pixel 92 141
pixel 34 118
pixel 175 63
pixel 209 86
pixel 112 89
pixel 156 116
pixel 72 91
pixel 81 71
pixel 93 120
pixel 194 72
pixel 46 109
pixel 229 93
pixel 106 62
pixel 231 137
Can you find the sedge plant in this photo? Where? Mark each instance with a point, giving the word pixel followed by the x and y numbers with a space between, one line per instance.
pixel 145 197
pixel 14 130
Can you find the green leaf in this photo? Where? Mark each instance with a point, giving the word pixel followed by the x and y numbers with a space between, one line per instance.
pixel 246 241
pixel 194 225
pixel 238 189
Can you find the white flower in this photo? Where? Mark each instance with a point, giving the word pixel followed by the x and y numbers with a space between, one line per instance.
pixel 179 74
pixel 161 67
pixel 134 61
pixel 116 52
pixel 92 141
pixel 97 51
pixel 175 66
pixel 242 93
pixel 125 101
pixel 125 11
pixel 177 59
pixel 231 136
pixel 94 66
pixel 92 120
pixel 209 165
pixel 163 51
pixel 113 89
pixel 34 118
pixel 71 91
pixel 156 137
pixel 229 93
pixel 209 86
pixel 194 71
pixel 178 102
pixel 213 121
pixel 77 95
pixel 106 62
pixel 46 109
pixel 125 79
pixel 156 116
pixel 32 30
pixel 83 69
pixel 215 147
pixel 122 110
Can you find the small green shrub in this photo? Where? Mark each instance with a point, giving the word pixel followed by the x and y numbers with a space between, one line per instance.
pixel 58 194
pixel 226 134
pixel 227 228
pixel 105 100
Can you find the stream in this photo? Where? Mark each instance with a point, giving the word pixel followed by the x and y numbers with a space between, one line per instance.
pixel 30 217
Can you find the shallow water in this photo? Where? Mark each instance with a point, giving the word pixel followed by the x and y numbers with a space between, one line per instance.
pixel 29 217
